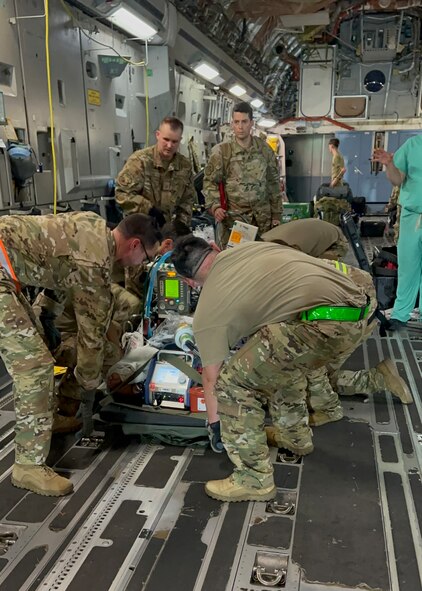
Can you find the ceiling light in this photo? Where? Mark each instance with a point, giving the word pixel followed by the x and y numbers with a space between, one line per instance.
pixel 257 103
pixel 206 71
pixel 131 23
pixel 237 90
pixel 267 122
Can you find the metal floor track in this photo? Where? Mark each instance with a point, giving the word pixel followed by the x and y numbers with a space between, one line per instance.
pixel 347 517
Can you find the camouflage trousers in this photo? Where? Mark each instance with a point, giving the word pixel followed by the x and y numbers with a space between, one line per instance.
pixel 337 251
pixel 30 365
pixel 326 382
pixel 396 226
pixel 275 368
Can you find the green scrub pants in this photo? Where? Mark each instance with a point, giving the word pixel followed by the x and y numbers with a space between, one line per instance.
pixel 409 249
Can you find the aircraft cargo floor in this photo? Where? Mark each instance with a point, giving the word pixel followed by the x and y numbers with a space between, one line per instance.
pixel 348 517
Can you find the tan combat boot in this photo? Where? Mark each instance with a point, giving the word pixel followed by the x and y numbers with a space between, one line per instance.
pixel 321 417
pixel 299 445
pixel 65 424
pixel 41 480
pixel 229 491
pixel 393 382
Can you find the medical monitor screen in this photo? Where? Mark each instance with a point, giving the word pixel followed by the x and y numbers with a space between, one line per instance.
pixel 165 374
pixel 171 288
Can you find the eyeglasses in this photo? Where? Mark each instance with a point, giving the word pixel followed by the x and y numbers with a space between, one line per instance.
pixel 147 257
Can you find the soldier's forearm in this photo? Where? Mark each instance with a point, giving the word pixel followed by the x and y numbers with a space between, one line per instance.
pixel 276 205
pixel 212 195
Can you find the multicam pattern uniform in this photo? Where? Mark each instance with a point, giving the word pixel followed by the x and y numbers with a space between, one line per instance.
pixel 325 383
pixel 124 306
pixel 337 251
pixel 272 368
pixel 251 181
pixel 147 181
pixel 71 252
pixel 330 208
pixel 393 203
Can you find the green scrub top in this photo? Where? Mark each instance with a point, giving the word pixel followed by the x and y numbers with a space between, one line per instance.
pixel 408 159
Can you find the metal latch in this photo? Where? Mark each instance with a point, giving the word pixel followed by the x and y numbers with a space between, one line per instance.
pixel 9 534
pixel 270 569
pixel 284 456
pixel 283 504
pixel 94 441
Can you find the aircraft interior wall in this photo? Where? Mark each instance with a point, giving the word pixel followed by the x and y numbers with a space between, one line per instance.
pixel 105 108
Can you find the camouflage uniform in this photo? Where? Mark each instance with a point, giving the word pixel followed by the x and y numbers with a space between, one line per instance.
pixel 125 305
pixel 337 251
pixel 325 383
pixel 147 181
pixel 72 252
pixel 272 368
pixel 393 204
pixel 251 181
pixel 331 208
pixel 66 356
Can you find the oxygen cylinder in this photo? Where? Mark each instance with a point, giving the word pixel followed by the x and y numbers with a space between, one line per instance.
pixel 184 338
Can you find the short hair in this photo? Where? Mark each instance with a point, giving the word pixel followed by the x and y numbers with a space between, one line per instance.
pixel 174 122
pixel 188 255
pixel 244 108
pixel 334 142
pixel 139 225
pixel 175 229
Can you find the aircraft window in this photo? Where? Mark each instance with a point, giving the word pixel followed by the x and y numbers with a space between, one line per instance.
pixel 374 81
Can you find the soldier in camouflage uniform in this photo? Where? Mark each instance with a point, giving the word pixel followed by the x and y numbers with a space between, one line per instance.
pixel 125 306
pixel 311 236
pixel 329 206
pixel 74 253
pixel 248 169
pixel 394 209
pixel 325 383
pixel 337 165
pixel 263 291
pixel 158 180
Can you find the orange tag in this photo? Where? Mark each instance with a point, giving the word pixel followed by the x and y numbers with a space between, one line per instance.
pixel 236 237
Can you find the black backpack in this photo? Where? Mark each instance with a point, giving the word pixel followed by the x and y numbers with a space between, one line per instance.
pixel 385 270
